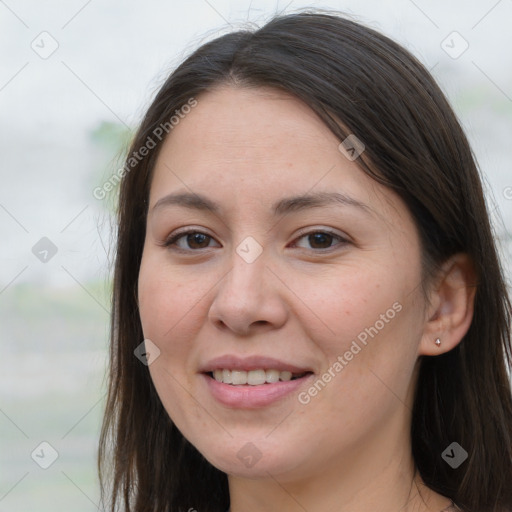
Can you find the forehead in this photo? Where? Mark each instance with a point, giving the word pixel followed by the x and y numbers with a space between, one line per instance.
pixel 260 137
pixel 235 123
pixel 254 146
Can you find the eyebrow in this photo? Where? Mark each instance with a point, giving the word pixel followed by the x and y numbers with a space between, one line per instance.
pixel 280 208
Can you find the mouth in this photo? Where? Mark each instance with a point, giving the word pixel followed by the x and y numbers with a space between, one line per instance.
pixel 253 382
pixel 256 377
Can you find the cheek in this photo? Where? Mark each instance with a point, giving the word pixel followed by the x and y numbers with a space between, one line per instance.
pixel 346 302
pixel 367 324
pixel 171 314
pixel 169 300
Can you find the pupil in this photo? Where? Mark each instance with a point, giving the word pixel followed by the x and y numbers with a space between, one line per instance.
pixel 320 238
pixel 196 239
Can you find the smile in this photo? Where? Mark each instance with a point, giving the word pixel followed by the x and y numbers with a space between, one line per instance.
pixel 251 382
pixel 258 394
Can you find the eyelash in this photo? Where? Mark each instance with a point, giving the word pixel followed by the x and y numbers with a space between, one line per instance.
pixel 177 236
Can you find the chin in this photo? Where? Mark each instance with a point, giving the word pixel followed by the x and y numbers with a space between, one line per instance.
pixel 253 460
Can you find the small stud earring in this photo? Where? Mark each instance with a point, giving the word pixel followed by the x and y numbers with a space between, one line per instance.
pixel 438 342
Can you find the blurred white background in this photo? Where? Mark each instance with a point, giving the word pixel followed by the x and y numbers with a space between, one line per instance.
pixel 75 78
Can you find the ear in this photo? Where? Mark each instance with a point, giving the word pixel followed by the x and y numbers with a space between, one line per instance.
pixel 450 311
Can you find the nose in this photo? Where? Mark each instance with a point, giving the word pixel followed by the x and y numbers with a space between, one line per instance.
pixel 249 299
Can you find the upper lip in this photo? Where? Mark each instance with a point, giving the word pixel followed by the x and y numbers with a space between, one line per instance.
pixel 233 362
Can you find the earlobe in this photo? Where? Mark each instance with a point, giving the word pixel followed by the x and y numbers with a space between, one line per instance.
pixel 452 299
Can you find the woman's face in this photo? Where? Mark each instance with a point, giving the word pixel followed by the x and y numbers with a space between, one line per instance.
pixel 277 274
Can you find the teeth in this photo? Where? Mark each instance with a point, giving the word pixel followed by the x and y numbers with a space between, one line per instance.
pixel 256 377
pixel 272 376
pixel 238 377
pixel 285 376
pixel 253 377
pixel 226 376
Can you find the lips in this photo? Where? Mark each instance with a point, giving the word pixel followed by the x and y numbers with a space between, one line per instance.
pixel 253 382
pixel 256 396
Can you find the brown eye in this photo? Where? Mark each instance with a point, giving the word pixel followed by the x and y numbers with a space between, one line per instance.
pixel 321 240
pixel 189 241
pixel 197 240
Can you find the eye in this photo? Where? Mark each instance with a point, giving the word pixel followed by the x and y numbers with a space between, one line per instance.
pixel 321 239
pixel 189 240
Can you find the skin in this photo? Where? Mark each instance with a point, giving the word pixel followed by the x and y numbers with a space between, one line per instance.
pixel 301 301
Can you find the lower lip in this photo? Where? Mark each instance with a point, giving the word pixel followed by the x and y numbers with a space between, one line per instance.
pixel 252 397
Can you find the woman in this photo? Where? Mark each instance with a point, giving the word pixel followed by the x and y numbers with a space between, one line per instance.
pixel 305 250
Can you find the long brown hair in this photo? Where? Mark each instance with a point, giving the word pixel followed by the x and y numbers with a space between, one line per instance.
pixel 358 81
